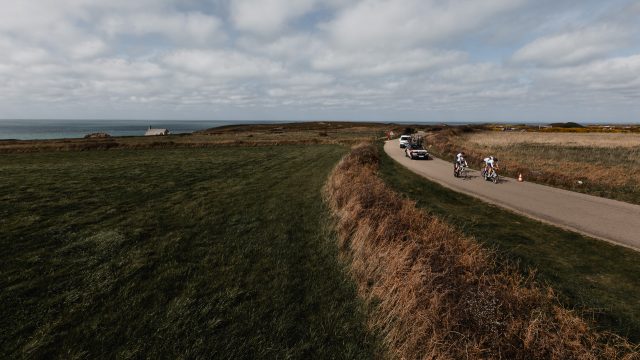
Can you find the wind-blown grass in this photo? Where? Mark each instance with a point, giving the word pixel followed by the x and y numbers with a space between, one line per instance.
pixel 173 253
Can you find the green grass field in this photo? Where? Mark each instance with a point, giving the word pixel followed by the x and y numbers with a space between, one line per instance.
pixel 174 253
pixel 597 279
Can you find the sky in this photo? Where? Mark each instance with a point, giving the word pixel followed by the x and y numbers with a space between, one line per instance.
pixel 378 60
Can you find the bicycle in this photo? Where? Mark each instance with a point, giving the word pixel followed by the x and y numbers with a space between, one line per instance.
pixel 460 171
pixel 490 174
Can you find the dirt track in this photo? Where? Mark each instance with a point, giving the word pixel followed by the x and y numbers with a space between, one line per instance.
pixel 614 221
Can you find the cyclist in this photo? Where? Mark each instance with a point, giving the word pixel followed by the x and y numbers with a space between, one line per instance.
pixel 490 164
pixel 459 161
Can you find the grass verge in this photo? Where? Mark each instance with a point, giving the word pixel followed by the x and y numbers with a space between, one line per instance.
pixel 596 278
pixel 173 253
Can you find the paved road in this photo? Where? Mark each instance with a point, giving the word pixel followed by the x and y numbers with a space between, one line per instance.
pixel 614 221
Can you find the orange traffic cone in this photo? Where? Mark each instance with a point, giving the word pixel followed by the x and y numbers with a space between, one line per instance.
pixel 520 177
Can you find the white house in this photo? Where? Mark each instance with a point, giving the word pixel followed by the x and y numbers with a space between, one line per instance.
pixel 155 132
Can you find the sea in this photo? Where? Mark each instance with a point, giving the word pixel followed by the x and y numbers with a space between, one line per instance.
pixel 64 129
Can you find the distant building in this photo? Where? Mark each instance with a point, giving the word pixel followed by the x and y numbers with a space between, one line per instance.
pixel 156 132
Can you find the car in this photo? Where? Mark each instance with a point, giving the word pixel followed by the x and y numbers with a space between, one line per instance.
pixel 415 151
pixel 404 141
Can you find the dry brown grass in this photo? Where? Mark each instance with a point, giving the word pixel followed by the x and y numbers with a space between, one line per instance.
pixel 601 164
pixel 435 294
pixel 599 140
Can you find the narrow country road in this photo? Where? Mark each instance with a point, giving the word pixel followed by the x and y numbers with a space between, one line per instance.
pixel 614 221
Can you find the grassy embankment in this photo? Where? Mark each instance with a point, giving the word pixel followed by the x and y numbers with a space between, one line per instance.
pixel 596 278
pixel 438 293
pixel 601 164
pixel 174 253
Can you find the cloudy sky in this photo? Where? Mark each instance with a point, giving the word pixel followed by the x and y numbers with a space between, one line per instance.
pixel 391 60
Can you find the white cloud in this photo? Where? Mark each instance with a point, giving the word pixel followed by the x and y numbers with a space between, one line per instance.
pixel 193 26
pixel 309 79
pixel 293 48
pixel 88 49
pixel 266 17
pixel 572 47
pixel 480 73
pixel 117 69
pixel 58 20
pixel 26 56
pixel 385 63
pixel 16 53
pixel 614 74
pixel 391 23
pixel 220 63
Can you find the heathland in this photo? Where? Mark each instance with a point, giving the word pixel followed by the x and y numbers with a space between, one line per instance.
pixel 220 244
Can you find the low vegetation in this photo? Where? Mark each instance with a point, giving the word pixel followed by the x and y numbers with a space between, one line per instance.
pixel 437 293
pixel 606 165
pixel 174 253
